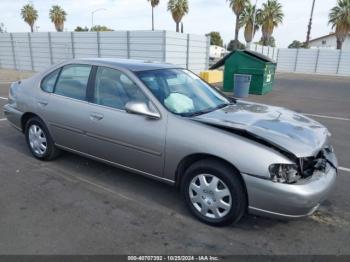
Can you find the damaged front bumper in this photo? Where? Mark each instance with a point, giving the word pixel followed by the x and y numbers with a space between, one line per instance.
pixel 301 199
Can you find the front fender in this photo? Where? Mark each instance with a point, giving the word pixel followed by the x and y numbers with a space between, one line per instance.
pixel 187 137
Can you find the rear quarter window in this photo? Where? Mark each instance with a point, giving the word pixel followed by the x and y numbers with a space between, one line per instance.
pixel 73 81
pixel 48 83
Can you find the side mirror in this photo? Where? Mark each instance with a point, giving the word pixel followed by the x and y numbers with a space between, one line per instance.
pixel 141 108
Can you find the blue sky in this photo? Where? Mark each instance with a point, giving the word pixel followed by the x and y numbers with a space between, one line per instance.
pixel 204 16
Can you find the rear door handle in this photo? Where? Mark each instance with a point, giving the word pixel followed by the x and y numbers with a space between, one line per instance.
pixel 96 116
pixel 42 103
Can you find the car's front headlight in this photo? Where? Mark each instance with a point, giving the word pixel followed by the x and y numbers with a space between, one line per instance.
pixel 284 173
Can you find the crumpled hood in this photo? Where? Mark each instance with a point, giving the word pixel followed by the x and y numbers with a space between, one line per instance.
pixel 288 130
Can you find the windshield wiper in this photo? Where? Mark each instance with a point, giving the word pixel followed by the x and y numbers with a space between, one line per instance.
pixel 206 111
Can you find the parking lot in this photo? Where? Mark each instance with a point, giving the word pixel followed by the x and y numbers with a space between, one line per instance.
pixel 77 206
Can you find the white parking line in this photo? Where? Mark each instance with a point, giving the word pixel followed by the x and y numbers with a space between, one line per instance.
pixel 3 119
pixel 328 117
pixel 4 98
pixel 344 169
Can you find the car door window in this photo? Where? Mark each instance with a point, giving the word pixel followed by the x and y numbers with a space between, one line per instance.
pixel 114 89
pixel 73 81
pixel 49 81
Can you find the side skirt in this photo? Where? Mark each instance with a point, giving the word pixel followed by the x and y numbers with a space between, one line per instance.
pixel 130 169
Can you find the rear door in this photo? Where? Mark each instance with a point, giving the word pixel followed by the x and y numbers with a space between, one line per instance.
pixel 64 106
pixel 130 140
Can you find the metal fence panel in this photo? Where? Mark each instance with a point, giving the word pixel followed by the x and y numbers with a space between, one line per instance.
pixel 114 44
pixel 61 45
pixel 41 51
pixel 286 60
pixel 197 53
pixel 22 49
pixel 265 50
pixel 176 48
pixel 36 51
pixel 328 61
pixel 344 63
pixel 147 45
pixel 320 61
pixel 306 60
pixel 85 44
pixel 7 59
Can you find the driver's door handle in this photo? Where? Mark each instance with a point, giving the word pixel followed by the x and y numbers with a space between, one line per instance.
pixel 42 103
pixel 96 116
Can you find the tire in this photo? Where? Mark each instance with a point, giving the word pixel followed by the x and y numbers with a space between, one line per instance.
pixel 221 211
pixel 37 138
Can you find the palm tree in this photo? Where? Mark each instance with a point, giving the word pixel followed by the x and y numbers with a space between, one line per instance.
pixel 249 17
pixel 339 18
pixel 58 17
pixel 154 3
pixel 29 15
pixel 271 15
pixel 178 9
pixel 238 7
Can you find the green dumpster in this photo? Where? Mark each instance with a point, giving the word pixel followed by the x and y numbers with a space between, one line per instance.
pixel 260 67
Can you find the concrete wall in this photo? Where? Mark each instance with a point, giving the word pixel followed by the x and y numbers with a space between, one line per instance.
pixel 37 51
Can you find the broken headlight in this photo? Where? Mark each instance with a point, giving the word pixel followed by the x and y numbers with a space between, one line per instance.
pixel 284 173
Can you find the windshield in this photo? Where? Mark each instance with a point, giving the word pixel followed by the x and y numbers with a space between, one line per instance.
pixel 182 92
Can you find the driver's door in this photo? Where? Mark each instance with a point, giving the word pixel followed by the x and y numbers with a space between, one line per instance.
pixel 130 140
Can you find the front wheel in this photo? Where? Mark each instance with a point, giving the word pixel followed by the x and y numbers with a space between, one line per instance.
pixel 214 192
pixel 39 140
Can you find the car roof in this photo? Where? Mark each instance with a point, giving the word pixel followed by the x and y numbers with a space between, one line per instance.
pixel 130 64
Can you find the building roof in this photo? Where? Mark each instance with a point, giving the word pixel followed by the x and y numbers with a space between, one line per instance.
pixel 322 37
pixel 257 55
pixel 130 64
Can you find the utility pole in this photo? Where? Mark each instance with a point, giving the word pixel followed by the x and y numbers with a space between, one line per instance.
pixel 310 24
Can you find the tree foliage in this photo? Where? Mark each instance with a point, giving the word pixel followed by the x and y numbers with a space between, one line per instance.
pixel 100 28
pixel 29 15
pixel 271 16
pixel 237 7
pixel 2 28
pixel 216 39
pixel 178 9
pixel 81 29
pixel 296 44
pixel 270 42
pixel 154 4
pixel 233 46
pixel 58 17
pixel 339 18
pixel 249 17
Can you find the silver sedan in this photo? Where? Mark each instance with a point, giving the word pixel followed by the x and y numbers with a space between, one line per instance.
pixel 227 156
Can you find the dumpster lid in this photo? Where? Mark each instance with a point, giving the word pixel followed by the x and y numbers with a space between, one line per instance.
pixel 257 55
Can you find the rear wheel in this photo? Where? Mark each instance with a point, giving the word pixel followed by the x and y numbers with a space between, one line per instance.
pixel 214 192
pixel 39 140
